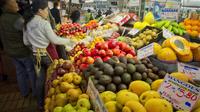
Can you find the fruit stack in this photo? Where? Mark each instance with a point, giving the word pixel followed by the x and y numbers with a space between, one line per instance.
pixel 66 95
pixel 145 37
pixel 103 50
pixel 96 40
pixel 174 27
pixel 79 47
pixel 93 24
pixel 71 30
pixel 117 73
pixel 192 27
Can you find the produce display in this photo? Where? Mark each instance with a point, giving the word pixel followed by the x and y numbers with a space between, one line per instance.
pixel 178 48
pixel 192 26
pixel 71 30
pixel 103 50
pixel 145 37
pixel 117 73
pixel 172 26
pixel 93 24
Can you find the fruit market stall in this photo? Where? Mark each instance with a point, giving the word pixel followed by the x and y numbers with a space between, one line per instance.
pixel 151 67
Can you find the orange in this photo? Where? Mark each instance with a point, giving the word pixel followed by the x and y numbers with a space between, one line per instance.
pixel 194 34
pixel 195 28
pixel 188 27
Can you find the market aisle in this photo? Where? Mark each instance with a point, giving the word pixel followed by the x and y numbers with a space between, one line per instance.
pixel 12 101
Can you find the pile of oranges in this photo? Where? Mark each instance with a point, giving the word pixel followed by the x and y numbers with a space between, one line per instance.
pixel 192 26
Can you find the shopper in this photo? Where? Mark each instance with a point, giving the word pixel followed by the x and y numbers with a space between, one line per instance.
pixel 75 16
pixel 55 12
pixel 38 34
pixel 88 16
pixel 11 26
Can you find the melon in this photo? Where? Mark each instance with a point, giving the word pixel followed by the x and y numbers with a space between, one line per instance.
pixel 167 55
pixel 186 58
pixel 196 54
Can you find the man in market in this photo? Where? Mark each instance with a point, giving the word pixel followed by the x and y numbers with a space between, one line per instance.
pixel 56 13
pixel 11 26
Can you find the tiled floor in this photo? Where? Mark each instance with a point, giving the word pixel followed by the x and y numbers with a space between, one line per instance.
pixel 12 101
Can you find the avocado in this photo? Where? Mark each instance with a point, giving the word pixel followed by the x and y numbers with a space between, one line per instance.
pixel 90 67
pixel 126 78
pixel 162 73
pixel 149 80
pixel 149 70
pixel 121 64
pixel 144 61
pixel 151 75
pixel 150 65
pixel 123 59
pixel 137 76
pixel 131 68
pixel 121 87
pixel 98 74
pixel 101 66
pixel 105 79
pixel 140 68
pixel 100 88
pixel 131 60
pixel 111 62
pixel 111 87
pixel 144 76
pixel 95 81
pixel 155 77
pixel 98 62
pixel 86 74
pixel 108 70
pixel 94 70
pixel 155 69
pixel 118 70
pixel 117 79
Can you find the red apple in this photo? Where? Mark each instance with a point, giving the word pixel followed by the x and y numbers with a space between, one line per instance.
pixel 86 52
pixel 83 66
pixel 109 53
pixel 116 51
pixel 95 57
pixel 127 49
pixel 83 60
pixel 106 58
pixel 122 45
pixel 90 60
pixel 98 45
pixel 78 62
pixel 94 52
pixel 104 46
pixel 132 52
pixel 102 53
pixel 112 44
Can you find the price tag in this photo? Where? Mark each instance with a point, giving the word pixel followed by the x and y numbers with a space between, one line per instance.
pixel 167 33
pixel 183 96
pixel 145 51
pixel 95 97
pixel 191 71
pixel 133 31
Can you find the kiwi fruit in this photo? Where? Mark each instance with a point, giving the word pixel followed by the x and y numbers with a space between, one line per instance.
pixel 149 81
pixel 150 65
pixel 155 69
pixel 144 76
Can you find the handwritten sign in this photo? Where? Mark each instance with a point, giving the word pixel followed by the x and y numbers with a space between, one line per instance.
pixel 145 51
pixel 133 31
pixel 191 71
pixel 167 33
pixel 95 97
pixel 183 96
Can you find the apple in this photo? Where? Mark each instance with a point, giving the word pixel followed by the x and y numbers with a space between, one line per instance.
pixel 83 60
pixel 132 52
pixel 83 66
pixel 116 51
pixel 89 60
pixel 121 54
pixel 94 52
pixel 109 53
pixel 106 58
pixel 102 53
pixel 86 52
pixel 95 57
pixel 129 56
pixel 98 45
pixel 78 62
pixel 112 44
pixel 104 46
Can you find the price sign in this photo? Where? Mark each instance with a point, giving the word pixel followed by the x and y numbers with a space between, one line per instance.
pixel 191 71
pixel 133 31
pixel 95 97
pixel 183 96
pixel 145 51
pixel 167 33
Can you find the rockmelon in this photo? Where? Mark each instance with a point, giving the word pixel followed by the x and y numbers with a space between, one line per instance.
pixel 196 54
pixel 167 55
pixel 180 45
pixel 186 58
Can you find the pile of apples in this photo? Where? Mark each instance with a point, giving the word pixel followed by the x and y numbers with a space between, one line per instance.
pixel 103 50
pixel 72 30
pixel 93 24
pixel 78 48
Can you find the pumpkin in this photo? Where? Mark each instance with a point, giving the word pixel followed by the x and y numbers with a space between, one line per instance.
pixel 156 48
pixel 196 54
pixel 167 55
pixel 186 58
pixel 180 45
pixel 194 45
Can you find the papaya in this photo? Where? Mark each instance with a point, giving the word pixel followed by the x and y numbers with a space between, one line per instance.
pixel 194 45
pixel 166 43
pixel 196 54
pixel 186 58
pixel 167 55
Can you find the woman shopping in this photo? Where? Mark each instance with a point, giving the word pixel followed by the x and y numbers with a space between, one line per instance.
pixel 38 34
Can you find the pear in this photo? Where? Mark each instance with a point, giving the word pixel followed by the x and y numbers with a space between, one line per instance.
pixel 58 109
pixel 84 102
pixel 61 99
pixel 64 87
pixel 69 108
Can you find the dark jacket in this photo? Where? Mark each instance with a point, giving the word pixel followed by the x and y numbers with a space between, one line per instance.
pixel 75 16
pixel 56 14
pixel 11 25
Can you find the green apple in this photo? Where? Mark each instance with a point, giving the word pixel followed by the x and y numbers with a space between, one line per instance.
pixel 58 109
pixel 69 108
pixel 82 110
pixel 83 103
